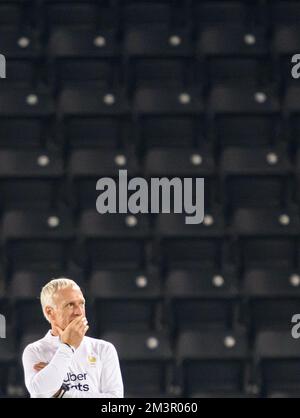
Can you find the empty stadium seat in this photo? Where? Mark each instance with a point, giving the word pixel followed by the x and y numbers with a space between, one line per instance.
pixel 169 118
pixel 277 361
pixel 202 299
pixel 84 57
pixel 255 178
pixel 11 13
pixel 230 54
pixel 244 116
pixel 87 166
pixel 285 45
pixel 191 246
pixel 158 59
pixel 126 300
pixel 94 118
pixel 36 239
pixel 146 362
pixel 266 238
pixel 174 162
pixel 21 50
pixel 156 14
pixel 113 240
pixel 70 13
pixel 24 175
pixel 272 297
pixel 213 362
pixel 26 118
pixel 26 285
pixel 218 13
pixel 284 12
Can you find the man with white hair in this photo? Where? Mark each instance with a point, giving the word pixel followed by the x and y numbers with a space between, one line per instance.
pixel 66 363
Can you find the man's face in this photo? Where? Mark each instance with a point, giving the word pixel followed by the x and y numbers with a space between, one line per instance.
pixel 69 304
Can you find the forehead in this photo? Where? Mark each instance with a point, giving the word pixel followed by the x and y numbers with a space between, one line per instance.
pixel 68 294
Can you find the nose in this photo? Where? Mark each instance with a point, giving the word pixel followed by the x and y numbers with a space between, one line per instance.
pixel 78 310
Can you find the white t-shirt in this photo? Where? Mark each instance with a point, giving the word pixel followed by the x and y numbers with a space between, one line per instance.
pixel 92 371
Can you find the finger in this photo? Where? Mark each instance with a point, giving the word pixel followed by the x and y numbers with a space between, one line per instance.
pixel 75 321
pixel 82 327
pixel 41 363
pixel 40 366
pixel 81 323
pixel 38 369
pixel 86 327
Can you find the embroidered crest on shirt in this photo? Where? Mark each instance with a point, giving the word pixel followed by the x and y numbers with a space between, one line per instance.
pixel 92 360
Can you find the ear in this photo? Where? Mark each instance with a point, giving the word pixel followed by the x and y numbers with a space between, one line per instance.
pixel 49 312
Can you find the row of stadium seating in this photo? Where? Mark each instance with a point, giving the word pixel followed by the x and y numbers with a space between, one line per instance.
pixel 198 364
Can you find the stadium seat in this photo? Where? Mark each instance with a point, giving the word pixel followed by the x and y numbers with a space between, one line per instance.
pixel 213 362
pixel 191 246
pixel 26 118
pixel 113 240
pixel 157 14
pixel 21 50
pixel 146 362
pixel 126 300
pixel 70 13
pixel 255 178
pixel 84 57
pixel 168 118
pixel 285 45
pixel 24 175
pixel 26 285
pixel 277 362
pixel 272 297
pixel 36 239
pixel 192 162
pixel 284 12
pixel 218 13
pixel 202 299
pixel 90 119
pixel 230 54
pixel 244 116
pixel 266 238
pixel 87 166
pixel 158 59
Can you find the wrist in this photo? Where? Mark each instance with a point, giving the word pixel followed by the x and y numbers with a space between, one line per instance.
pixel 71 347
pixel 60 393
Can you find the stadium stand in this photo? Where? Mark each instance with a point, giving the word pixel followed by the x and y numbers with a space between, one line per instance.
pixel 161 88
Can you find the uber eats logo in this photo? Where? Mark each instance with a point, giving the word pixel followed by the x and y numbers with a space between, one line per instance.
pixel 2 66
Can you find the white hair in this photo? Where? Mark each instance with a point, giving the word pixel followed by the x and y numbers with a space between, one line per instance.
pixel 49 290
